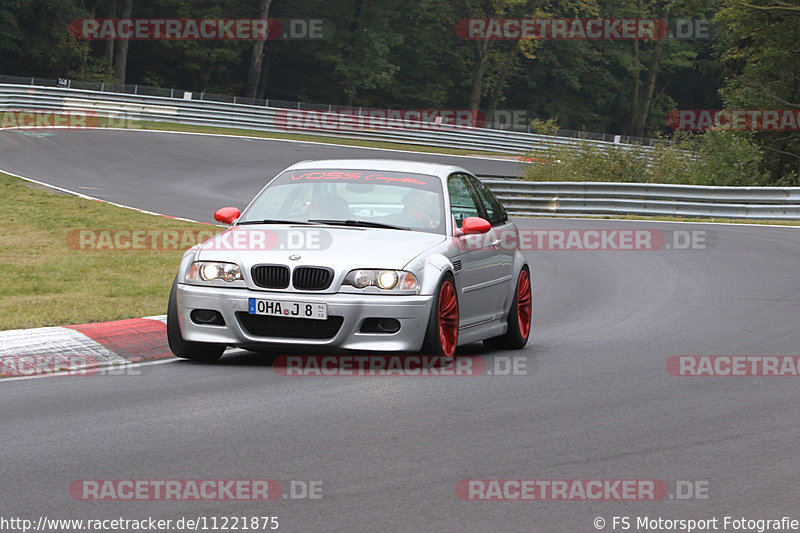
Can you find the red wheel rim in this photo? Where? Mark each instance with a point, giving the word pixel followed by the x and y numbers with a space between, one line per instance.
pixel 448 319
pixel 524 304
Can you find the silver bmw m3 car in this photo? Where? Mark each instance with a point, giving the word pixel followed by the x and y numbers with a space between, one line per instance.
pixel 378 255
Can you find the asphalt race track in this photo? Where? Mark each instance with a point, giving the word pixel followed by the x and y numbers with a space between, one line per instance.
pixel 183 175
pixel 595 401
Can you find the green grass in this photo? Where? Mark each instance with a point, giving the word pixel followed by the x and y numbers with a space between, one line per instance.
pixel 46 281
pixel 170 126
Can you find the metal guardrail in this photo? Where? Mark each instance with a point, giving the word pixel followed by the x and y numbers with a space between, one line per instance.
pixel 491 119
pixel 520 197
pixel 596 199
pixel 123 106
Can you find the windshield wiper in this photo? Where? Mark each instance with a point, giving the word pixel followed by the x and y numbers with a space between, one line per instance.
pixel 359 223
pixel 274 221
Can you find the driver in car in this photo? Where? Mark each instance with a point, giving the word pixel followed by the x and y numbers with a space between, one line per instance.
pixel 422 209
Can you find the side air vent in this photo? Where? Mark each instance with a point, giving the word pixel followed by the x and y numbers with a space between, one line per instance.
pixel 457 265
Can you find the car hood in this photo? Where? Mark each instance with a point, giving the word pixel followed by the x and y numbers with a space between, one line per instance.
pixel 339 248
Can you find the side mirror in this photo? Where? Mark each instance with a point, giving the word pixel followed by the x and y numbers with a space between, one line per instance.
pixel 227 215
pixel 475 225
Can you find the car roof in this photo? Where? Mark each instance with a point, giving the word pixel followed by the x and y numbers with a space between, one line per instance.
pixel 395 165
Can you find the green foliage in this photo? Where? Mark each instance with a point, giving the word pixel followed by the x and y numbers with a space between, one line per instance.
pixel 728 158
pixel 759 49
pixel 34 40
pixel 720 158
pixel 545 127
pixel 407 55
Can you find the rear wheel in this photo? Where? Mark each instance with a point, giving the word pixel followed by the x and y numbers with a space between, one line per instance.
pixel 196 351
pixel 519 317
pixel 441 337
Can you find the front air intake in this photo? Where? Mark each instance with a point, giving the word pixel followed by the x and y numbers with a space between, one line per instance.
pixel 271 276
pixel 290 328
pixel 312 278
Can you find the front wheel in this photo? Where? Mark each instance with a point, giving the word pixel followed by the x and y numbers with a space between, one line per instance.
pixel 441 337
pixel 519 317
pixel 196 351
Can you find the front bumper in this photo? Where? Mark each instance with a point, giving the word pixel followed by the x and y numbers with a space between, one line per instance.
pixel 411 311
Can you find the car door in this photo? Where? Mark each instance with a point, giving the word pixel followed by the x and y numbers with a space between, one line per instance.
pixel 502 238
pixel 476 281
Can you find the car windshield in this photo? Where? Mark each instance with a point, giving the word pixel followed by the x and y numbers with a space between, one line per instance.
pixel 366 198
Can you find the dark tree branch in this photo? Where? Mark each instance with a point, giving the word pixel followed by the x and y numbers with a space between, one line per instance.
pixel 762 88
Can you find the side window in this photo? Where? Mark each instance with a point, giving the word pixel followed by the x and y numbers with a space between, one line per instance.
pixel 462 203
pixel 495 212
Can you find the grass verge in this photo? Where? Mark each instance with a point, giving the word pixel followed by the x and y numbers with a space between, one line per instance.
pixel 170 126
pixel 49 280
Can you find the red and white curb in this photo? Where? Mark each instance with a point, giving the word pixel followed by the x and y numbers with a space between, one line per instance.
pixel 80 348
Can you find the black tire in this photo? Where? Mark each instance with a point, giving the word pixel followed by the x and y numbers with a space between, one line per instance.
pixel 514 339
pixel 196 351
pixel 435 343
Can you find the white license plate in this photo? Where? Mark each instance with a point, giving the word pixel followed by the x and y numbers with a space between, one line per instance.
pixel 314 311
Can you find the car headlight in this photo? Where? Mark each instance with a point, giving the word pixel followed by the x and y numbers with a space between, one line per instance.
pixel 383 279
pixel 213 270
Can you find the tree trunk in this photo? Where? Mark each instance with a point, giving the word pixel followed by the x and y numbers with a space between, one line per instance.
pixel 649 88
pixel 87 46
pixel 112 13
pixel 650 84
pixel 262 82
pixel 121 58
pixel 257 56
pixel 350 94
pixel 351 87
pixel 636 96
pixel 478 70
